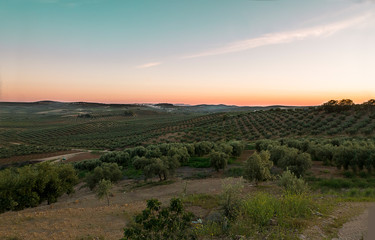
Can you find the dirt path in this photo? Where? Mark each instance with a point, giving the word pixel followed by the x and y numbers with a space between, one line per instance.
pixel 348 221
pixel 57 158
pixel 32 157
pixel 357 227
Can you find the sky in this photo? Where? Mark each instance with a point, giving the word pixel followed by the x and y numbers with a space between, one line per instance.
pixel 242 52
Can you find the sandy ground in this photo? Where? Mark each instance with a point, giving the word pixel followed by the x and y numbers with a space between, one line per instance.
pixel 354 228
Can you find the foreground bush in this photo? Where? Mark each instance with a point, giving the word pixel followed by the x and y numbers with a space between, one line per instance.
pixel 264 210
pixel 155 222
pixel 230 198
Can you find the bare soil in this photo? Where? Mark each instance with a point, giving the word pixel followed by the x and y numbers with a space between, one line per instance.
pixel 19 159
pixel 83 156
pixel 321 171
pixel 348 221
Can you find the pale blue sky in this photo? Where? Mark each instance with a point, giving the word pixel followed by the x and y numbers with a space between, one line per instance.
pixel 209 51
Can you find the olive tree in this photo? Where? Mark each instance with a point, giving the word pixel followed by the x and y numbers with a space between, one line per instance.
pixel 218 160
pixel 257 167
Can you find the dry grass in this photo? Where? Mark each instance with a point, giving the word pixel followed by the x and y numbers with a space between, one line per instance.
pixel 82 216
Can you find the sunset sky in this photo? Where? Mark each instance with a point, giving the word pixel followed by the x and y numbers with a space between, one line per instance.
pixel 242 52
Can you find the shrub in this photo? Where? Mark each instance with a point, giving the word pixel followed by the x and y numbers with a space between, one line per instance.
pixel 155 222
pixel 260 208
pixel 230 196
pixel 292 184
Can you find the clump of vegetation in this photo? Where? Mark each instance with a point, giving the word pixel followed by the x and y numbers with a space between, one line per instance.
pixel 218 160
pixel 199 162
pixel 293 184
pixel 231 196
pixel 107 171
pixel 257 167
pixel 29 186
pixel 104 190
pixel 155 222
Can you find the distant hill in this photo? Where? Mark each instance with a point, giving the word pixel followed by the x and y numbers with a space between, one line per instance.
pixel 201 108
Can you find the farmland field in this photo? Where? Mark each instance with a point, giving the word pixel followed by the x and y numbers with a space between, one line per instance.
pixel 164 151
pixel 52 127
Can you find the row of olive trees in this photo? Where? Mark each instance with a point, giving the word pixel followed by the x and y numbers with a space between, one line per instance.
pixel 29 186
pixel 286 156
pixel 347 104
pixel 163 159
pixel 355 154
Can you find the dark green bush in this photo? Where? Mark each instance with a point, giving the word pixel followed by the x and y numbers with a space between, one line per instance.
pixel 156 222
pixel 31 185
pixel 107 171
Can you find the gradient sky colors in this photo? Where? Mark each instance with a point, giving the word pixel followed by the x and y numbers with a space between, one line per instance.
pixel 243 52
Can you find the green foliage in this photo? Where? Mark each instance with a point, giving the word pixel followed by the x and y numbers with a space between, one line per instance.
pixel 339 183
pixel 262 208
pixel 121 158
pixel 162 167
pixel 257 167
pixel 203 148
pixel 230 197
pixel 31 185
pixel 235 172
pixel 292 184
pixel 19 150
pixel 156 222
pixel 237 148
pixel 199 162
pixel 107 171
pixel 104 189
pixel 207 201
pixel 290 158
pixel 218 160
pixel 111 129
pixel 88 165
pixel 132 173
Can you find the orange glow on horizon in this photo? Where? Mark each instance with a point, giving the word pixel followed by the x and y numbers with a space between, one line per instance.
pixel 239 100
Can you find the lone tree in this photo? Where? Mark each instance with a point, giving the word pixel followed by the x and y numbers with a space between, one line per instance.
pixel 104 189
pixel 257 167
pixel 218 160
